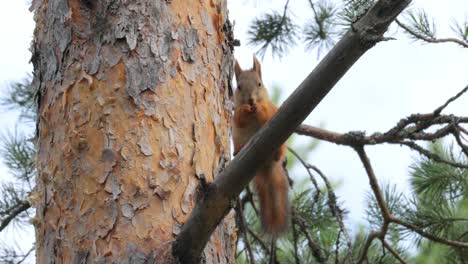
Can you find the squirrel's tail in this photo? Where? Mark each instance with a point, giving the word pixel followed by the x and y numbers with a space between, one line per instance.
pixel 272 188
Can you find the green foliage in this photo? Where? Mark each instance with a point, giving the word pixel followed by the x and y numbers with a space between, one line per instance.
pixel 21 96
pixel 327 21
pixel 437 205
pixel 376 252
pixel 320 32
pixel 396 203
pixel 436 182
pixel 279 32
pixel 18 155
pixel 461 29
pixel 353 10
pixel 274 30
pixel 440 206
pixel 420 23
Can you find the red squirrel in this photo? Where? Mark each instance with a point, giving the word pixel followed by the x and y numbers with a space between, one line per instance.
pixel 253 108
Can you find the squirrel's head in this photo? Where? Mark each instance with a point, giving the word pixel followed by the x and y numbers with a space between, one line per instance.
pixel 250 87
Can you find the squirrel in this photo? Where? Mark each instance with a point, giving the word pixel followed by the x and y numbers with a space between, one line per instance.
pixel 253 108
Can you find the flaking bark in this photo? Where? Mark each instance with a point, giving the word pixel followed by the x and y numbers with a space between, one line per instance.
pixel 133 110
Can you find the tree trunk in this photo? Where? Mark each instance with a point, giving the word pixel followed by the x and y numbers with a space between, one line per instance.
pixel 133 111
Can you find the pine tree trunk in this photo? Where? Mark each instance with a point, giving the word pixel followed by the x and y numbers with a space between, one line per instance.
pixel 133 111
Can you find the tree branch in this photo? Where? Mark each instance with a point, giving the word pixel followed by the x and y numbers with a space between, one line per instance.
pixel 25 256
pixel 337 212
pixel 405 132
pixel 313 245
pixel 380 200
pixel 221 194
pixel 393 251
pixel 18 209
pixel 453 243
pixel 451 99
pixel 429 39
pixel 294 231
pixel 389 218
pixel 401 131
pixel 307 167
pixel 259 240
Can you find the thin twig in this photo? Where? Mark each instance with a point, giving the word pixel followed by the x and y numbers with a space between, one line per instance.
pixel 380 201
pixel 248 197
pixel 278 28
pixel 459 141
pixel 462 235
pixel 316 17
pixel 393 251
pixel 273 251
pixel 25 256
pixel 454 243
pixel 20 207
pixel 373 183
pixel 313 245
pixel 431 155
pixel 296 254
pixel 306 166
pixel 429 39
pixel 442 107
pixel 244 232
pixel 259 240
pixel 337 247
pixel 463 130
pixel 333 204
pixel 370 238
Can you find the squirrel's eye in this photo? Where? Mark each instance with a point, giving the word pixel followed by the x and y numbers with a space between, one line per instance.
pixel 238 87
pixel 259 84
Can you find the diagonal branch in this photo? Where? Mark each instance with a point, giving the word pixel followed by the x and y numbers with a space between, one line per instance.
pixel 387 217
pixel 450 100
pixel 429 39
pixel 221 194
pixel 26 255
pixel 459 140
pixel 259 240
pixel 448 242
pixel 431 155
pixel 393 251
pixel 18 209
pixel 307 167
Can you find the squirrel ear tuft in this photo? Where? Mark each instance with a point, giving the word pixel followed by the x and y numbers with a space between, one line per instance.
pixel 237 69
pixel 256 67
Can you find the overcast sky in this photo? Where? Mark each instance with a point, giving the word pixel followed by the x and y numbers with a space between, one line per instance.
pixel 391 81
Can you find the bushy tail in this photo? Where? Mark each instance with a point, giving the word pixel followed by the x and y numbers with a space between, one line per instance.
pixel 272 188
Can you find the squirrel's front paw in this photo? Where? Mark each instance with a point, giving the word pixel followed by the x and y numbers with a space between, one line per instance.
pixel 249 108
pixel 253 108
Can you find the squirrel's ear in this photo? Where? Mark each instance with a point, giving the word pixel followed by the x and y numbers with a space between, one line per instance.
pixel 237 69
pixel 256 67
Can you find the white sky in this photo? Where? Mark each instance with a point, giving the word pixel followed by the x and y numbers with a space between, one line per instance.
pixel 391 81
